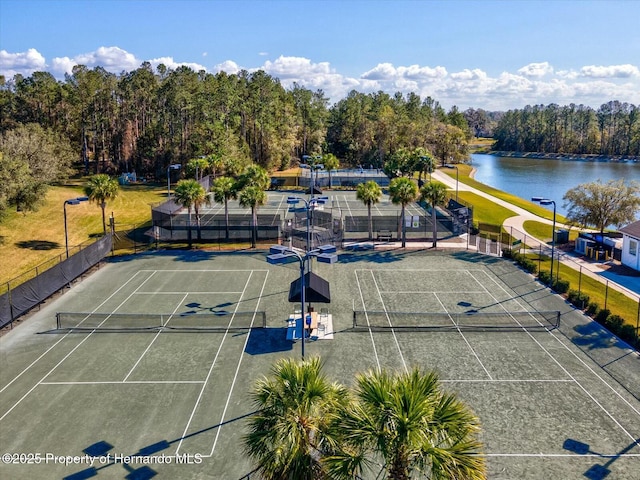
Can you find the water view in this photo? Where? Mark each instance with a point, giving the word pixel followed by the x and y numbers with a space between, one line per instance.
pixel 529 177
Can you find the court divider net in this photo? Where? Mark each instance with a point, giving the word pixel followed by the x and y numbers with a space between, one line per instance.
pixel 221 321
pixel 365 320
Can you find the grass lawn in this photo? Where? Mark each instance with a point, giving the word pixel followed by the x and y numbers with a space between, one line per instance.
pixel 464 176
pixel 27 240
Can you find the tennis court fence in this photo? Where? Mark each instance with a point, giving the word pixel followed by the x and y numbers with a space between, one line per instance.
pixel 365 320
pixel 221 321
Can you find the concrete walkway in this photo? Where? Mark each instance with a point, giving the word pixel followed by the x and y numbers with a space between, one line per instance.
pixel 628 285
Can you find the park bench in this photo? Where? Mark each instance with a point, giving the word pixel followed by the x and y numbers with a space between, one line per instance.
pixel 384 235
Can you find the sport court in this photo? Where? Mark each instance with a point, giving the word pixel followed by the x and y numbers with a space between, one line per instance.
pixel 175 401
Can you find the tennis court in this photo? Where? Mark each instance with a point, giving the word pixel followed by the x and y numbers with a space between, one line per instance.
pixel 170 399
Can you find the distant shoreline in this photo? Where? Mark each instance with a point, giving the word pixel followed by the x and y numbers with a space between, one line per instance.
pixel 567 156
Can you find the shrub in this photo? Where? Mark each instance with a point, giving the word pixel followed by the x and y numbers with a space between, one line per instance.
pixel 507 253
pixel 602 315
pixel 545 277
pixel 614 323
pixel 593 308
pixel 628 334
pixel 579 299
pixel 561 286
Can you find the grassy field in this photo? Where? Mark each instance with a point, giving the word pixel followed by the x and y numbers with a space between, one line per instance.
pixel 27 240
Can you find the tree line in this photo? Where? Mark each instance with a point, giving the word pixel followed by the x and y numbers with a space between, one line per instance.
pixel 611 130
pixel 146 119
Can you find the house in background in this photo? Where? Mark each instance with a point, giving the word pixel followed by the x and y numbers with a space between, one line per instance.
pixel 631 245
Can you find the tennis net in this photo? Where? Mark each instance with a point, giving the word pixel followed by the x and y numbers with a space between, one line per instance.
pixel 149 322
pixel 364 320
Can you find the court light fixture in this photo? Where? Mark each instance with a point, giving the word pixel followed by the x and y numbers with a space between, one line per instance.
pixel 547 201
pixel 71 201
pixel 279 255
pixel 172 166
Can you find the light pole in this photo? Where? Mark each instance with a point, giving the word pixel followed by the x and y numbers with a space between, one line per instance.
pixel 546 201
pixel 313 164
pixel 450 165
pixel 280 255
pixel 309 206
pixel 72 201
pixel 173 166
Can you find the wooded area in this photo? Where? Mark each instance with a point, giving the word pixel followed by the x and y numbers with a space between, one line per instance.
pixel 144 120
pixel 612 130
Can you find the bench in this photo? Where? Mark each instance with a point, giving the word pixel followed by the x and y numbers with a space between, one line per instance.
pixel 384 235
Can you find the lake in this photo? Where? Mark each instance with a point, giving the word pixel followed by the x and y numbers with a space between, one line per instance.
pixel 529 177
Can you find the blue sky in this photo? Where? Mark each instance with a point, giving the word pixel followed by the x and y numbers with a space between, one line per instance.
pixel 494 55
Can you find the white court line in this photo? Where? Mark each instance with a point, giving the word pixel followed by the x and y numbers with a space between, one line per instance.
pixel 574 354
pixel 235 376
pixel 66 335
pixel 132 382
pixel 348 206
pixel 364 307
pixel 69 354
pixel 465 339
pixel 417 292
pixel 213 363
pixel 497 380
pixel 393 332
pixel 188 292
pixel 155 338
pixel 561 455
pixel 565 370
pixel 206 270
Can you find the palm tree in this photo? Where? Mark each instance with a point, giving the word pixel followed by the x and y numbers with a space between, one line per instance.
pixel 189 193
pixel 224 189
pixel 296 406
pixel 330 162
pixel 254 175
pixel 403 191
pixel 101 188
pixel 412 424
pixel 370 193
pixel 435 194
pixel 252 197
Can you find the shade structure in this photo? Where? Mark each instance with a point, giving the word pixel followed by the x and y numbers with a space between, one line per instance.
pixel 316 289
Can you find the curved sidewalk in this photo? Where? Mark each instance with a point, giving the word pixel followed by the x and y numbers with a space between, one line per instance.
pixel 629 286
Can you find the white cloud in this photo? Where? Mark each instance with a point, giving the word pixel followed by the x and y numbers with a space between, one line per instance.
pixel 112 59
pixel 611 71
pixel 387 72
pixel 536 69
pixel 535 83
pixel 24 63
pixel 228 66
pixel 170 63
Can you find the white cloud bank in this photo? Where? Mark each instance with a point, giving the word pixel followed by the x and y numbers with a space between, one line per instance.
pixel 535 83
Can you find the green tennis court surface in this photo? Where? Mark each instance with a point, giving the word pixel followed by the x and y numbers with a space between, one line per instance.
pixel 149 399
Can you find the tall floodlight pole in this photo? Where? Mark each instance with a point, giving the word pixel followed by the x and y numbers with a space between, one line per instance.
pixel 72 201
pixel 280 255
pixel 546 201
pixel 173 166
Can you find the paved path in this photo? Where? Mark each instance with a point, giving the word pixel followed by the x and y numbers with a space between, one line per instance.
pixel 630 286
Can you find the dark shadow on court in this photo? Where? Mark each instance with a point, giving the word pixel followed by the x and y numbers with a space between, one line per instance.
pixel 475 257
pixel 597 471
pixel 592 335
pixel 102 448
pixel 376 257
pixel 38 245
pixel 268 340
